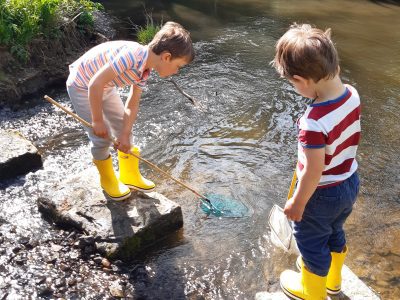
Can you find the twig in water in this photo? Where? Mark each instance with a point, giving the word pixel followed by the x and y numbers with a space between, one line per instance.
pixel 193 100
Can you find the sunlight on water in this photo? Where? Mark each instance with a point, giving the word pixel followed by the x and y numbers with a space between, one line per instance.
pixel 240 144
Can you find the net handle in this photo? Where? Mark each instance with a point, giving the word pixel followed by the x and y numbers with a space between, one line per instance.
pixel 292 184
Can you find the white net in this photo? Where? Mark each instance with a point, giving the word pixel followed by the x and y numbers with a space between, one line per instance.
pixel 281 231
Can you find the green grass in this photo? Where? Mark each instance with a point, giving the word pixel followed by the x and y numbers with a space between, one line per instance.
pixel 145 34
pixel 21 21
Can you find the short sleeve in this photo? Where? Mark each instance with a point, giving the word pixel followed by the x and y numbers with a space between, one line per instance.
pixel 311 135
pixel 123 61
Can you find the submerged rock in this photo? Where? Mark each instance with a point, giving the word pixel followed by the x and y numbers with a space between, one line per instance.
pixel 116 229
pixel 18 156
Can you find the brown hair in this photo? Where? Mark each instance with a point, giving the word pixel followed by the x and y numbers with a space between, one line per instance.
pixel 306 51
pixel 173 38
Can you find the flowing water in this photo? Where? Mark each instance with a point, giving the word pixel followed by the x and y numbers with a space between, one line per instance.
pixel 240 144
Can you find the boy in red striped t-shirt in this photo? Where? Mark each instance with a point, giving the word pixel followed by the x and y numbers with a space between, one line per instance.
pixel 328 137
pixel 92 85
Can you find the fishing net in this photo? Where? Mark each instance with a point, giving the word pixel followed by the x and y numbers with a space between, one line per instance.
pixel 221 206
pixel 281 230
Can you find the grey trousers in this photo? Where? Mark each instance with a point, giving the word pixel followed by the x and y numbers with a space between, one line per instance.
pixel 113 112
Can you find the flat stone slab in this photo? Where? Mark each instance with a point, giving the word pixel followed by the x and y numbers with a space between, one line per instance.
pixel 120 229
pixel 18 156
pixel 352 288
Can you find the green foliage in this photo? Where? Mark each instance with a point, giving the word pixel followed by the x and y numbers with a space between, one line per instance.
pixel 85 20
pixel 23 20
pixel 145 34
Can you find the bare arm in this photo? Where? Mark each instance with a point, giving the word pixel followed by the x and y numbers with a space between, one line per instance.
pixel 96 86
pixel 311 174
pixel 130 114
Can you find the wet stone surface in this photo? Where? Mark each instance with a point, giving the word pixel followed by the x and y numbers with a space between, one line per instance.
pixel 117 229
pixel 19 156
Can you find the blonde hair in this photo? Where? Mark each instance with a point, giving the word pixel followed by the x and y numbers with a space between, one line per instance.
pixel 173 38
pixel 306 51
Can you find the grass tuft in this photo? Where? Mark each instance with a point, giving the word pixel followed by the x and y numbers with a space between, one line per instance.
pixel 145 34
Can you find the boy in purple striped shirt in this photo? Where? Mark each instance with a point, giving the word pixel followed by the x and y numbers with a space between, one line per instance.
pixel 328 137
pixel 91 87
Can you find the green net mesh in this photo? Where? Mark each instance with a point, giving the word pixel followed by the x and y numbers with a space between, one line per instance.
pixel 222 206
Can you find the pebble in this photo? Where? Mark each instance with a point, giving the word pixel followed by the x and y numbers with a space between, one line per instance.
pixel 65 268
pixel 59 282
pixel 23 240
pixel 16 249
pixel 71 281
pixel 40 280
pixel 44 291
pixel 116 290
pixel 56 248
pixel 97 259
pixel 106 263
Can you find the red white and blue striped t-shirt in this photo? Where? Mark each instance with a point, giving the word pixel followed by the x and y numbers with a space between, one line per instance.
pixel 335 126
pixel 126 58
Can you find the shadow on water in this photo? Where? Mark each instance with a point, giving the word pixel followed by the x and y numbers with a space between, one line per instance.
pixel 148 275
pixel 145 274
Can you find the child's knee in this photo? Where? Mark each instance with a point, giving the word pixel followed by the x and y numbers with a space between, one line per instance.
pixel 101 153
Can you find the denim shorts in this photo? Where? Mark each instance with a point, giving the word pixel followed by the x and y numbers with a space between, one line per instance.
pixel 320 231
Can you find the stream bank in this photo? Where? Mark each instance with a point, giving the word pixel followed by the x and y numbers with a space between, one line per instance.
pixel 49 60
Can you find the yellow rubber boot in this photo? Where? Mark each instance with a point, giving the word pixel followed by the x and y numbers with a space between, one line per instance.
pixel 115 189
pixel 129 172
pixel 334 279
pixel 304 285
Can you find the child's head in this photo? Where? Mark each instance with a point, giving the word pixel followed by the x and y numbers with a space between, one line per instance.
pixel 307 52
pixel 172 43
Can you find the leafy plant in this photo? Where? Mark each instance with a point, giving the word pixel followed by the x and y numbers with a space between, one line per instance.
pixel 21 21
pixel 146 34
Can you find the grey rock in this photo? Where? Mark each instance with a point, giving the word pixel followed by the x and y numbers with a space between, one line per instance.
pixel 119 229
pixel 18 155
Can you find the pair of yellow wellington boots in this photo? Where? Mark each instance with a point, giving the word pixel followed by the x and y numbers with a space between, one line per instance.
pixel 309 286
pixel 129 176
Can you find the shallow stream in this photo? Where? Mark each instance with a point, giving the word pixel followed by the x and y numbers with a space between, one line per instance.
pixel 241 144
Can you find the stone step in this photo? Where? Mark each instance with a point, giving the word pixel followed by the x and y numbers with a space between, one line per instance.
pixel 120 229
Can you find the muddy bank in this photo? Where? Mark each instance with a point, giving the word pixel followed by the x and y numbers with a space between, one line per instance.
pixel 49 60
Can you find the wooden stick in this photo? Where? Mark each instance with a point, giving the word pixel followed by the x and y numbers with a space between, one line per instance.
pixel 193 100
pixel 292 185
pixel 75 116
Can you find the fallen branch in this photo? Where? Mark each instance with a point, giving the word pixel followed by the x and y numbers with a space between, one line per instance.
pixel 193 100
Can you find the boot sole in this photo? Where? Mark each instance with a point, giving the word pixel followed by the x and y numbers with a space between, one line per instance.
pixel 333 292
pixel 119 198
pixel 132 187
pixel 289 294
